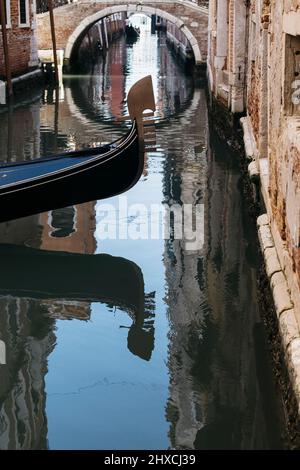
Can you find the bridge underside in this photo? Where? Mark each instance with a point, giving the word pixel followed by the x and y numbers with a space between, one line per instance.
pixel 73 20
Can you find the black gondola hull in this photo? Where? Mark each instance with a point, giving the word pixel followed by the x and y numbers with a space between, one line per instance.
pixel 44 184
pixel 101 177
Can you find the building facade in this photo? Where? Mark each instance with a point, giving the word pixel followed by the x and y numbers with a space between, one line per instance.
pixel 254 69
pixel 20 29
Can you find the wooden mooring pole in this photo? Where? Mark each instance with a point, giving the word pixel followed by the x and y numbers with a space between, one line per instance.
pixel 5 48
pixel 50 7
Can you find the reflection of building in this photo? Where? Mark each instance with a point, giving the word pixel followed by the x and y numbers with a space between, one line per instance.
pixel 117 79
pixel 179 42
pixel 184 183
pixel 28 336
pixel 220 394
pixel 98 39
pixel 239 402
pixel 27 326
pixel 37 288
pixel 20 132
pixel 69 229
pixel 172 95
pixel 21 231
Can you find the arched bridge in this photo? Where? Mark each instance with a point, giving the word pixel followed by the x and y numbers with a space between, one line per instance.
pixel 74 19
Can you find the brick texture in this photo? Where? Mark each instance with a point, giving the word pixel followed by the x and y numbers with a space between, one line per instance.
pixel 19 40
pixel 284 145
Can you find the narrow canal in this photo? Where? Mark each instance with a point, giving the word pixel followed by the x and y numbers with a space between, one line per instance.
pixel 180 359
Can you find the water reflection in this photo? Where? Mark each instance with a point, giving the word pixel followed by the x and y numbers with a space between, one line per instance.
pixel 207 382
pixel 40 274
pixel 28 334
pixel 219 398
pixel 38 287
pixel 2 352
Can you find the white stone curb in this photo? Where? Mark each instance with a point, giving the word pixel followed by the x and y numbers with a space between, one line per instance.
pixel 253 171
pixel 288 326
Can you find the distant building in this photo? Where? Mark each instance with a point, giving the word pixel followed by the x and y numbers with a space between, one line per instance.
pixel 21 25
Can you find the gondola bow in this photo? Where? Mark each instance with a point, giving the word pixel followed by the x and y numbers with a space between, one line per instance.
pixel 71 178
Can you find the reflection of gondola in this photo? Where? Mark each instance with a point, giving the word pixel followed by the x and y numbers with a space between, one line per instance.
pixel 118 282
pixel 131 33
pixel 140 339
pixel 72 178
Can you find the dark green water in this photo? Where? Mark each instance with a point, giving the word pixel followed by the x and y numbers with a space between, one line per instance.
pixel 163 348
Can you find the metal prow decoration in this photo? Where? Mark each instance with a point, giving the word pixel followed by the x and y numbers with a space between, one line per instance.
pixel 140 99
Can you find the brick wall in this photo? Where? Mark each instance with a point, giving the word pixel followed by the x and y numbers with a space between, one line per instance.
pixel 254 73
pixel 253 98
pixel 271 33
pixel 19 41
pixel 284 140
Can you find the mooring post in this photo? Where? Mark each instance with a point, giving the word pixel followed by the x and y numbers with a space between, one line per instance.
pixel 50 7
pixel 5 48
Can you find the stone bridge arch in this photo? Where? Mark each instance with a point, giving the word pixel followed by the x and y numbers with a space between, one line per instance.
pixel 74 19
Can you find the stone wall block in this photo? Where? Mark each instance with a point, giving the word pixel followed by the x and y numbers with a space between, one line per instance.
pixel 288 327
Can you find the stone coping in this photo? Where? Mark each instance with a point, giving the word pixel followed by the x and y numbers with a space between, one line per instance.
pixel 284 307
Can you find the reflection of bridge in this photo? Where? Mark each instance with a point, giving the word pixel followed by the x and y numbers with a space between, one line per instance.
pixel 72 21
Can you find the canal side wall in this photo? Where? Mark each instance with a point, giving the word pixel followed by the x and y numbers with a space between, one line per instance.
pixel 276 309
pixel 254 71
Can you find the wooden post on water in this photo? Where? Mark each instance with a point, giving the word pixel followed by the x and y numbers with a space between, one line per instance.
pixel 50 7
pixel 5 48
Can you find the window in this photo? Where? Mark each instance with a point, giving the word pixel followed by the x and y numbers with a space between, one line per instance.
pixel 24 13
pixel 292 76
pixel 7 13
pixel 253 40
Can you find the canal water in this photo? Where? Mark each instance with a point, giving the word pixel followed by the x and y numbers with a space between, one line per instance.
pixel 160 344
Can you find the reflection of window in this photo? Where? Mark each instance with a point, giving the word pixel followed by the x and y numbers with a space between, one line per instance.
pixel 7 12
pixel 292 76
pixel 63 222
pixel 23 13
